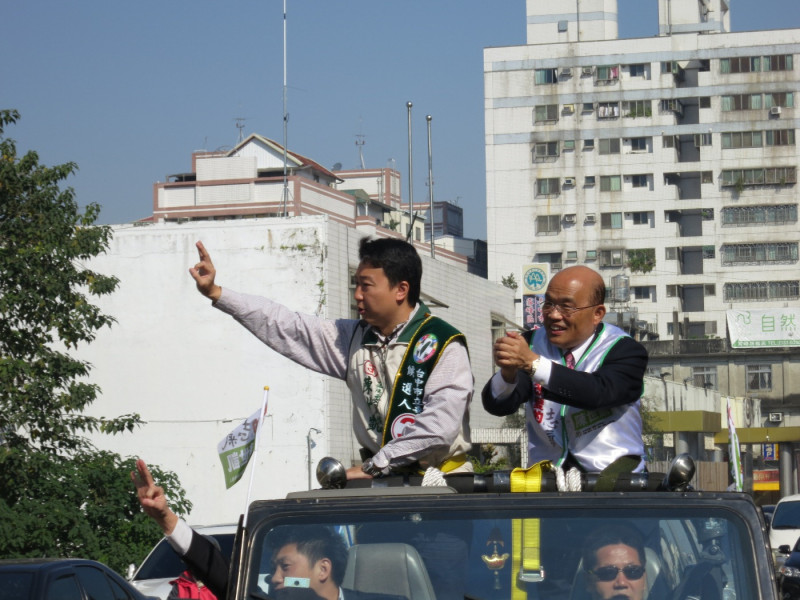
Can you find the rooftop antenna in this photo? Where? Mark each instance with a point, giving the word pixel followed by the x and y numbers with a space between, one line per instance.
pixel 429 118
pixel 285 125
pixel 410 178
pixel 360 143
pixel 240 126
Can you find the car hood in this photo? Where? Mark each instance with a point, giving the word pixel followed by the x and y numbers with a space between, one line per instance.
pixel 158 588
pixel 779 537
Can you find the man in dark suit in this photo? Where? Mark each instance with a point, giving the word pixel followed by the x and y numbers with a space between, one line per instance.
pixel 308 564
pixel 580 380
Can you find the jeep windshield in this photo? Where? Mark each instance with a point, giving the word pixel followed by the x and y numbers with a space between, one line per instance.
pixel 519 546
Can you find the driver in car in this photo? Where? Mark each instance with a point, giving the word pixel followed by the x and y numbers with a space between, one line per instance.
pixel 614 561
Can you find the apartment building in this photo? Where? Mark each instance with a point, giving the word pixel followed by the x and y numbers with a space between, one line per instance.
pixel 669 164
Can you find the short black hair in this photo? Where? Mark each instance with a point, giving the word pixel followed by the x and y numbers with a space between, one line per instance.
pixel 599 293
pixel 399 261
pixel 315 542
pixel 611 535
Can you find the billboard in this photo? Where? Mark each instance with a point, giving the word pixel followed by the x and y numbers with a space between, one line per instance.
pixel 764 328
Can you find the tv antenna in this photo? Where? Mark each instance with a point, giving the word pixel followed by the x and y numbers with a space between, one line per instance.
pixel 240 126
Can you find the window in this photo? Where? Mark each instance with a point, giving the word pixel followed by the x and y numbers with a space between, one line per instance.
pixel 548 224
pixel 759 214
pixel 779 62
pixel 572 255
pixel 752 64
pixel 741 139
pixel 710 289
pixel 548 187
pixel 610 183
pixel 636 70
pixel 545 112
pixel 768 176
pixel 761 290
pixel 588 144
pixel 669 66
pixel 759 378
pixel 607 110
pixel 672 105
pixel 611 220
pixel 671 253
pixel 569 144
pixel 607 73
pixel 609 146
pixel 591 255
pixel 705 377
pixel 707 177
pixel 639 181
pixel 588 181
pixel 705 101
pixel 668 141
pixel 741 102
pixel 642 292
pixel 777 252
pixel 639 144
pixel 672 291
pixel 702 139
pixel 709 252
pixel 544 76
pixel 637 108
pixel 545 150
pixel 610 258
pixel 588 107
pixel 782 99
pixel 640 218
pixel 779 137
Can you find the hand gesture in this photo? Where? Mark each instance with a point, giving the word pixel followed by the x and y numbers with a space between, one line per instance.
pixel 204 273
pixel 511 353
pixel 152 498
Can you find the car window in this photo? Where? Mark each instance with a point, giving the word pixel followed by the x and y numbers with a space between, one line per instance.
pixel 16 585
pixel 688 552
pixel 64 588
pixel 95 583
pixel 119 592
pixel 786 516
pixel 163 562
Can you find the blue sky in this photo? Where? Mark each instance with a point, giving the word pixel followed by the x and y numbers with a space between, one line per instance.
pixel 129 90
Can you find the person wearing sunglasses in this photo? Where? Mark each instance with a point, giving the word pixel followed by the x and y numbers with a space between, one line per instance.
pixel 614 563
pixel 580 380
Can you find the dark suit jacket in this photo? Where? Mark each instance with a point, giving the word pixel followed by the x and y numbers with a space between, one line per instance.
pixel 618 381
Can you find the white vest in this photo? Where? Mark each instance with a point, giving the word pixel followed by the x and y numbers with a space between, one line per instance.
pixel 595 438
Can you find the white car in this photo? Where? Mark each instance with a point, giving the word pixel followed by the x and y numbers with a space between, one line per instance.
pixel 163 565
pixel 784 529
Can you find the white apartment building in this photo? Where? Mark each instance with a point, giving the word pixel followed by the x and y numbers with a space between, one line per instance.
pixel 668 163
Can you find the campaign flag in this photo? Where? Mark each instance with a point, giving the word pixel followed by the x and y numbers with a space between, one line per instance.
pixel 238 447
pixel 733 451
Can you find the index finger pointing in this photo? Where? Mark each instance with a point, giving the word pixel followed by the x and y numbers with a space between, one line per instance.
pixel 144 473
pixel 201 250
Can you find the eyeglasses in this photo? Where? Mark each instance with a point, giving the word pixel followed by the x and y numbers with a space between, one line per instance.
pixel 609 573
pixel 566 311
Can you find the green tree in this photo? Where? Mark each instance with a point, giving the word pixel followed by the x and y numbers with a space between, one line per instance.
pixel 60 496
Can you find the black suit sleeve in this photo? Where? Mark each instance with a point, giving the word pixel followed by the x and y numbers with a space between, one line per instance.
pixel 618 381
pixel 208 565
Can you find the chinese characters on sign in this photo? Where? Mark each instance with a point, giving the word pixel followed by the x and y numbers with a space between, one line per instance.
pixel 766 328
pixel 534 284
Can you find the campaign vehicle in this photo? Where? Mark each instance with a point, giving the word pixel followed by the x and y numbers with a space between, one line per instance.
pixel 63 579
pixel 474 538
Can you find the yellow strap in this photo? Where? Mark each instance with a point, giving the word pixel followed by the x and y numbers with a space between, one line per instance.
pixel 451 464
pixel 526 560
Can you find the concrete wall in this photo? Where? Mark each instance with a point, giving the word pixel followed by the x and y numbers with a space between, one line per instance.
pixel 193 374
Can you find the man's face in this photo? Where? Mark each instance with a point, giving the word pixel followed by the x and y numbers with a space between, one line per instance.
pixel 378 302
pixel 621 587
pixel 288 562
pixel 572 289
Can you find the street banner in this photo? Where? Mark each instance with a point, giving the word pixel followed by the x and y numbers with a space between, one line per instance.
pixel 733 451
pixel 236 448
pixel 535 277
pixel 764 328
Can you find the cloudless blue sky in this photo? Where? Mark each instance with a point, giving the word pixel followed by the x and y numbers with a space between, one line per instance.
pixel 128 90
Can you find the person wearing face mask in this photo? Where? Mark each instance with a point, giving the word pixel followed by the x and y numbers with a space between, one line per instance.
pixel 579 379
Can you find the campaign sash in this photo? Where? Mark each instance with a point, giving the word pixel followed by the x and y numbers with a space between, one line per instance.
pixel 422 353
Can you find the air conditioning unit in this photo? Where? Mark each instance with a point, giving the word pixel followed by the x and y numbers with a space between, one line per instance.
pixel 569 109
pixel 775 417
pixel 566 72
pixel 590 218
pixel 587 70
pixel 569 181
pixel 569 218
pixel 775 110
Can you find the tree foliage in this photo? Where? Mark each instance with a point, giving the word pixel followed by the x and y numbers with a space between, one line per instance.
pixel 60 496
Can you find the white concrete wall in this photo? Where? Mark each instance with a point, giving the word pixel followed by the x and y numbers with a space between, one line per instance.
pixel 193 373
